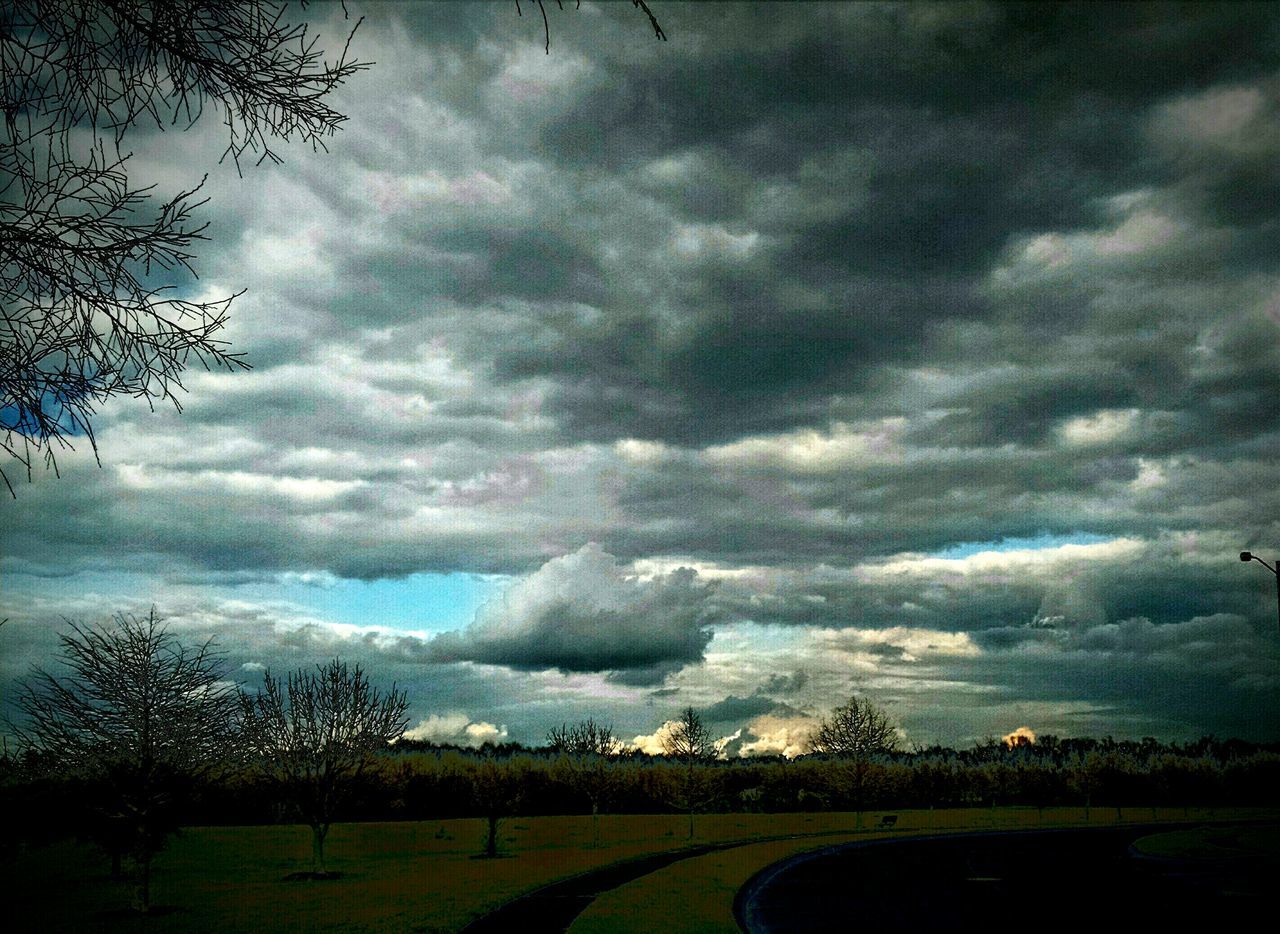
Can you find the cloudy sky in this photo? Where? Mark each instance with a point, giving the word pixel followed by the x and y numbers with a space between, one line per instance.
pixel 931 352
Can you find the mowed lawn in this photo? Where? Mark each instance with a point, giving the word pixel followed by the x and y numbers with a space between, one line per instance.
pixel 423 876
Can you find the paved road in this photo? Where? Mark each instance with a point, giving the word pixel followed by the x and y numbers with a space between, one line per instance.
pixel 1078 880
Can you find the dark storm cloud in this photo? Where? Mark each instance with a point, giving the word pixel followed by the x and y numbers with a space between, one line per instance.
pixel 967 131
pixel 799 298
pixel 733 708
pixel 583 612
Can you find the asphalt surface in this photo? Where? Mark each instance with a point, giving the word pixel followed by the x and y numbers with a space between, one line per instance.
pixel 1078 880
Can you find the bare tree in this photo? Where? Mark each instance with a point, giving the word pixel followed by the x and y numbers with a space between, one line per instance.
pixel 139 716
pixel 587 750
pixel 688 740
pixel 585 738
pixel 317 734
pixel 497 789
pixel 85 311
pixel 855 730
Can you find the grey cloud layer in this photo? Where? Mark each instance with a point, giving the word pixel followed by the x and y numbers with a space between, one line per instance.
pixel 802 291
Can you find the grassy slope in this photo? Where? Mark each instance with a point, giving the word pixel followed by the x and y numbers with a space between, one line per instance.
pixel 420 876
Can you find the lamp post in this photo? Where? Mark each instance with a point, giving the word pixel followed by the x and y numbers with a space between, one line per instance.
pixel 1249 556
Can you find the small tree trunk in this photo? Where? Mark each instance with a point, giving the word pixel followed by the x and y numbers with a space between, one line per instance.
pixel 318 833
pixel 595 823
pixel 142 890
pixel 491 844
pixel 689 797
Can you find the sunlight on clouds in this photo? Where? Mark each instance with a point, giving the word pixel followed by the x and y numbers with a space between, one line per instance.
pixel 1143 230
pixel 233 482
pixel 302 253
pixel 676 168
pixel 1150 476
pixel 1023 734
pixel 990 562
pixel 530 74
pixel 457 729
pixel 658 566
pixel 813 451
pixel 911 644
pixel 652 743
pixel 1099 428
pixel 771 735
pixel 713 240
pixel 722 744
pixel 1237 121
pixel 642 452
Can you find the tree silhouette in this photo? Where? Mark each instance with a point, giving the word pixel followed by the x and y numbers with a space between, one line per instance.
pixel 316 735
pixel 138 717
pixel 587 750
pixel 86 312
pixel 688 741
pixel 857 729
pixel 497 789
pixel 855 732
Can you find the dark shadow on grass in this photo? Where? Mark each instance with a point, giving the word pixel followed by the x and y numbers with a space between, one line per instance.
pixel 129 914
pixel 312 877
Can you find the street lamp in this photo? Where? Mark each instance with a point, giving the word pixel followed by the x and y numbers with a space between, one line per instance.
pixel 1249 556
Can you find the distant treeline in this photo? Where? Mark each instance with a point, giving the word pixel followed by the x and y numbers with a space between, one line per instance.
pixel 421 781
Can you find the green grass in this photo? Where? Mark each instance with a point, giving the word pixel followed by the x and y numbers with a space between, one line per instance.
pixel 421 875
pixel 1212 843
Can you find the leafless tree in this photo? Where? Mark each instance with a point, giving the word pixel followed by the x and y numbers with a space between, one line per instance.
pixel 317 734
pixel 689 741
pixel 497 789
pixel 587 750
pixel 86 312
pixel 585 738
pixel 139 716
pixel 855 730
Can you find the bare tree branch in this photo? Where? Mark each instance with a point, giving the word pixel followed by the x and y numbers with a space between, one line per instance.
pixel 138 715
pixel 546 26
pixel 82 318
pixel 855 730
pixel 317 733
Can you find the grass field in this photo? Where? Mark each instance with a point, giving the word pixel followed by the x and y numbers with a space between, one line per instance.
pixel 422 875
pixel 1212 843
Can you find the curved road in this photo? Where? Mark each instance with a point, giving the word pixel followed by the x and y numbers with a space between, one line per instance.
pixel 1056 880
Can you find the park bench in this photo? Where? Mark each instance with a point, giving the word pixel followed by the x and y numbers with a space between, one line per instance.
pixel 888 820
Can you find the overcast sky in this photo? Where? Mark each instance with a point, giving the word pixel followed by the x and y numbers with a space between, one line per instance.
pixel 931 352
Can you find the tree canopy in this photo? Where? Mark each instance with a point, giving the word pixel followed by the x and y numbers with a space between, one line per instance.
pixel 317 733
pixel 136 715
pixel 856 729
